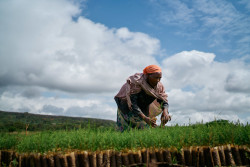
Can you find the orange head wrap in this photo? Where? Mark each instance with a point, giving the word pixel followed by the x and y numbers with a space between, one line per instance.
pixel 151 69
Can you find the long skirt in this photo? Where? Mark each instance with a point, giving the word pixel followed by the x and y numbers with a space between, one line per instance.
pixel 126 121
pixel 129 121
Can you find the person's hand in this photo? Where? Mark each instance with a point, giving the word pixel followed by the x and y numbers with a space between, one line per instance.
pixel 150 121
pixel 165 117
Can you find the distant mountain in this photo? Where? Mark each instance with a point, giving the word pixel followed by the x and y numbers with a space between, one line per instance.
pixel 15 121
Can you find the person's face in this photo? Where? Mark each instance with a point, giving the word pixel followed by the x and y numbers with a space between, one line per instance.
pixel 154 78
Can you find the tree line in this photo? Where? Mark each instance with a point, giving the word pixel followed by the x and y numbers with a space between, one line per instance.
pixel 14 121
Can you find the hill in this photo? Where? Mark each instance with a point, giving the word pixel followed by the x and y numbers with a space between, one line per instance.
pixel 15 121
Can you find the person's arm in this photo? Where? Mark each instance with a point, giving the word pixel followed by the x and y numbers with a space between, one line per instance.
pixel 163 104
pixel 165 117
pixel 137 111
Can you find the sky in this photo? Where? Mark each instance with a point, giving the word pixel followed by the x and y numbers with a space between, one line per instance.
pixel 71 57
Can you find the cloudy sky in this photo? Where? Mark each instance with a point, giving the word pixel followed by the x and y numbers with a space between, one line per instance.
pixel 70 57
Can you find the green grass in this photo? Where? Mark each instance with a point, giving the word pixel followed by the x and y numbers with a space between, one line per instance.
pixel 93 139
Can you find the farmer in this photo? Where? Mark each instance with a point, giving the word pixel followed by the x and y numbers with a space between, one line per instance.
pixel 142 98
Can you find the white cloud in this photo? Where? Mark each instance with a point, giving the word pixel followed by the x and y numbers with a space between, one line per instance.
pixel 177 13
pixel 186 67
pixel 48 49
pixel 202 117
pixel 239 79
pixel 198 83
pixel 245 3
pixel 94 107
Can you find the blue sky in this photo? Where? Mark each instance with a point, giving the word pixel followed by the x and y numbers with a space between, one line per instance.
pixel 181 25
pixel 70 57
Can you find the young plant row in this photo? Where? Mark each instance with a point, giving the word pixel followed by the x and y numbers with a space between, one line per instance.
pixel 104 139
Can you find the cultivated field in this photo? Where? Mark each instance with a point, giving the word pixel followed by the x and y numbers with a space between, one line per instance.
pixel 169 145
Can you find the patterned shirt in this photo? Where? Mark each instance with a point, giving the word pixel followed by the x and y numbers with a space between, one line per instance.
pixel 140 103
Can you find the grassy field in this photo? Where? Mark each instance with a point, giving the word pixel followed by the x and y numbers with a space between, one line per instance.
pixel 92 139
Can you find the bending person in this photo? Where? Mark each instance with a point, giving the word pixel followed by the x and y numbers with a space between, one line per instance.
pixel 142 98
